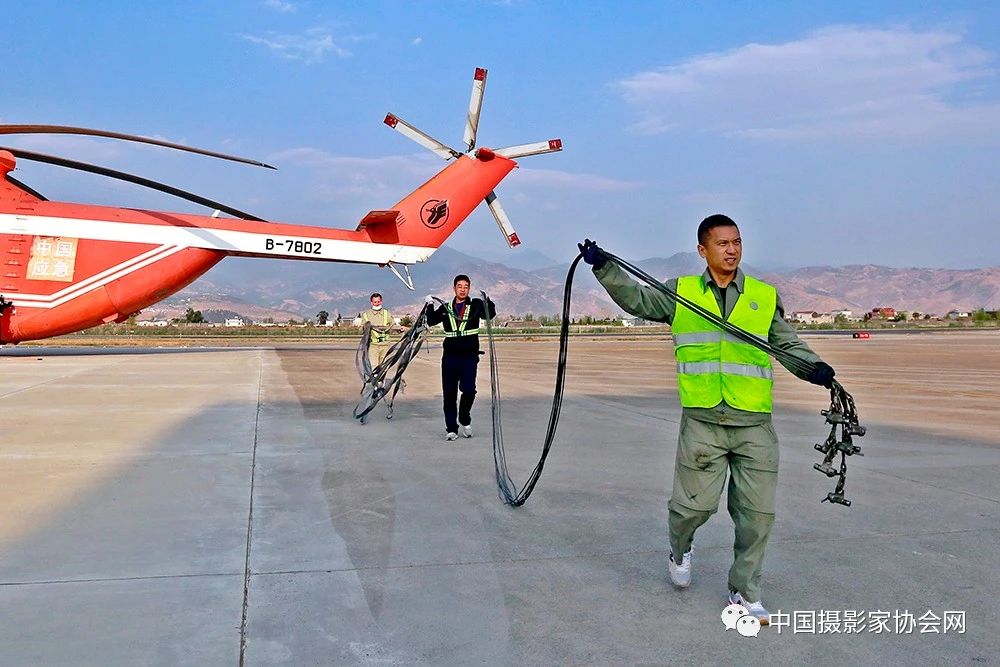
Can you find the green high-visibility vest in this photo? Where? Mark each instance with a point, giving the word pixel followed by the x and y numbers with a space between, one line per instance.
pixel 713 365
pixel 378 337
pixel 458 326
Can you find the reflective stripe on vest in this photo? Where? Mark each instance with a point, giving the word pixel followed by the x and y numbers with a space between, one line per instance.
pixel 378 337
pixel 715 366
pixel 700 367
pixel 711 337
pixel 458 326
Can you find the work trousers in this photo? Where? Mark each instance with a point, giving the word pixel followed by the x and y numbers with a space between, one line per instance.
pixel 705 453
pixel 377 352
pixel 458 372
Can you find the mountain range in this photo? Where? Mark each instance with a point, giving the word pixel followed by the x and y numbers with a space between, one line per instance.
pixel 532 283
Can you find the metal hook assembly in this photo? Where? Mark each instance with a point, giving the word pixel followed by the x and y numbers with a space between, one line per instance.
pixel 843 415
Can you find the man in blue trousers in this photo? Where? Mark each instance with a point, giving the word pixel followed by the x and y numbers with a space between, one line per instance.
pixel 460 319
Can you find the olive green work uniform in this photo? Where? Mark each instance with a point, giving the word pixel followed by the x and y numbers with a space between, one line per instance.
pixel 381 321
pixel 719 438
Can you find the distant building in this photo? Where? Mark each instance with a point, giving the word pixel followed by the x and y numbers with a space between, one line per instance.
pixel 956 314
pixel 520 324
pixel 811 317
pixel 846 314
pixel 883 312
pixel 235 322
pixel 152 323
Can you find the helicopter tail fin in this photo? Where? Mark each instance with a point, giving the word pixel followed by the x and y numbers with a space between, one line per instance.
pixel 431 213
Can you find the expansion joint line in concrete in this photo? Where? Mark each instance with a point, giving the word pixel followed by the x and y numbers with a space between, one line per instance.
pixel 253 472
pixel 105 580
pixel 935 486
pixel 79 371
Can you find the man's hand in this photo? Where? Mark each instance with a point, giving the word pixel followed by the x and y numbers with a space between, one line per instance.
pixel 592 253
pixel 429 299
pixel 822 374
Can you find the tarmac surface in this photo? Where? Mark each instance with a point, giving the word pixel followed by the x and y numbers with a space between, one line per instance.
pixel 222 507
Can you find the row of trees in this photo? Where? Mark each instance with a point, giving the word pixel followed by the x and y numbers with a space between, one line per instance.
pixel 983 315
pixel 192 316
pixel 556 320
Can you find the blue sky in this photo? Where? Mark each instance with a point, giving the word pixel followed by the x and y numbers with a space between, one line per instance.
pixel 834 133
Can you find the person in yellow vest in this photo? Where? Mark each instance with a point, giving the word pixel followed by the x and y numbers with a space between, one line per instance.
pixel 382 324
pixel 725 391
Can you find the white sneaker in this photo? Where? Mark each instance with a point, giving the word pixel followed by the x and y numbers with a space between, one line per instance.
pixel 451 436
pixel 680 573
pixel 466 430
pixel 756 609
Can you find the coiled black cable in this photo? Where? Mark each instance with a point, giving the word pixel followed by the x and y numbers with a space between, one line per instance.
pixel 374 387
pixel 508 490
pixel 842 413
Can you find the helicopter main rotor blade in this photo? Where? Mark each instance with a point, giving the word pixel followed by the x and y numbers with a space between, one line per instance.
pixel 131 178
pixel 63 129
pixel 524 150
pixel 503 221
pixel 427 141
pixel 475 107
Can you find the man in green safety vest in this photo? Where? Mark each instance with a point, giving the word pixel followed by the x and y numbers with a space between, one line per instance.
pixel 382 323
pixel 460 319
pixel 725 391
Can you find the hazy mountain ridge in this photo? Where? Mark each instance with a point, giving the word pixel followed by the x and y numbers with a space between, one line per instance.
pixel 863 287
pixel 283 289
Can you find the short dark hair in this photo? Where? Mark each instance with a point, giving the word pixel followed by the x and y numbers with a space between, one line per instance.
pixel 374 294
pixel 711 222
pixel 461 277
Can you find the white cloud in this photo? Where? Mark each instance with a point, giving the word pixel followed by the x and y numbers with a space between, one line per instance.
pixel 418 41
pixel 339 177
pixel 841 81
pixel 310 47
pixel 280 6
pixel 564 180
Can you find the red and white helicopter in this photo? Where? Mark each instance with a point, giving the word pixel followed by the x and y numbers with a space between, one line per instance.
pixel 68 267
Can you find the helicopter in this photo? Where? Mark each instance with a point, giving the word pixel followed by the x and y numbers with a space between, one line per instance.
pixel 70 266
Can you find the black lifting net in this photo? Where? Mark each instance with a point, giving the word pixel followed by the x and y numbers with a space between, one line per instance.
pixel 385 380
pixel 842 415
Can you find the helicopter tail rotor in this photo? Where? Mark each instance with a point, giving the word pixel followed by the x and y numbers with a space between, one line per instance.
pixel 446 152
